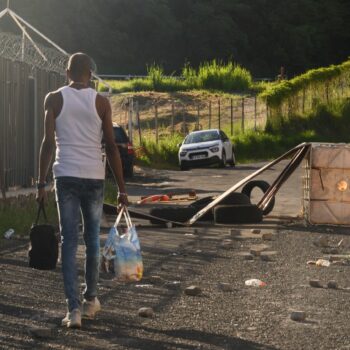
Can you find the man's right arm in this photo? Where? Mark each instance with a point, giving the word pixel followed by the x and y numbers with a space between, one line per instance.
pixel 47 146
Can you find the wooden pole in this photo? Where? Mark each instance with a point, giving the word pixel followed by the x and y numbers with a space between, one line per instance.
pixel 172 116
pixel 242 123
pixel 156 121
pixel 138 121
pixel 255 112
pixel 198 115
pixel 231 110
pixel 219 114
pixel 209 114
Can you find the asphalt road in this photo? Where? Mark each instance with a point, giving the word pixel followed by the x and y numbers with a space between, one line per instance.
pixel 213 181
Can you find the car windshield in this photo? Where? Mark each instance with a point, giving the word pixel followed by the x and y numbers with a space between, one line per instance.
pixel 202 137
pixel 120 135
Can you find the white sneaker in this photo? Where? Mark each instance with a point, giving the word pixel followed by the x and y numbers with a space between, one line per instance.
pixel 72 319
pixel 90 308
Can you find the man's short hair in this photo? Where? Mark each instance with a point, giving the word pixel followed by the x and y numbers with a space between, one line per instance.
pixel 80 65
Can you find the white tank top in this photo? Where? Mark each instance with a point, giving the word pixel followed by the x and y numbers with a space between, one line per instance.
pixel 78 136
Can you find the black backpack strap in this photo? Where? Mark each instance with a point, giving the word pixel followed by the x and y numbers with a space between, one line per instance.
pixel 41 209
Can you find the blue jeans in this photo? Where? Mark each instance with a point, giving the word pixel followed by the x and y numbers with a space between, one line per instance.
pixel 76 196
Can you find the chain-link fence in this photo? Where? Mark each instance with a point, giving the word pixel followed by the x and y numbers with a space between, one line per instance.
pixel 158 118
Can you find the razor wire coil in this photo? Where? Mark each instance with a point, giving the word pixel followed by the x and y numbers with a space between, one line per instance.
pixel 14 48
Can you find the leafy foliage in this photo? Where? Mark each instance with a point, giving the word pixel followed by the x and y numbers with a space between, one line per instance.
pixel 124 37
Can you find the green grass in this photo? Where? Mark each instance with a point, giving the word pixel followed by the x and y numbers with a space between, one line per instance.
pixel 329 123
pixel 20 214
pixel 213 76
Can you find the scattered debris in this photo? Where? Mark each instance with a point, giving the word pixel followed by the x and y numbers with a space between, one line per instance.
pixel 225 287
pixel 226 244
pixel 257 249
pixel 315 284
pixel 255 231
pixel 298 316
pixel 311 262
pixel 323 263
pixel 9 233
pixel 267 236
pixel 233 232
pixel 193 291
pixel 48 332
pixel 173 285
pixel 330 250
pixel 332 285
pixel 247 256
pixel 146 312
pixel 322 241
pixel 189 234
pixel 254 282
pixel 267 255
pixel 156 280
pixel 108 283
pixel 144 286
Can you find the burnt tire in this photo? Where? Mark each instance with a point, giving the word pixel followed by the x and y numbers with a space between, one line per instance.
pixel 264 186
pixel 237 214
pixel 178 214
pixel 232 198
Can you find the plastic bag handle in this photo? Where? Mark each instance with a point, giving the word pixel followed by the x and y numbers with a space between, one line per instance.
pixel 120 214
pixel 127 217
pixel 123 211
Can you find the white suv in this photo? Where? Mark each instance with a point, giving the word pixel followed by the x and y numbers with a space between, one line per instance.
pixel 206 147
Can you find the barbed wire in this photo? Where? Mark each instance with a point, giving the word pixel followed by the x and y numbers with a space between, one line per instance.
pixel 12 48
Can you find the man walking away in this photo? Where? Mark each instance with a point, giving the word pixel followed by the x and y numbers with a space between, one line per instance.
pixel 76 118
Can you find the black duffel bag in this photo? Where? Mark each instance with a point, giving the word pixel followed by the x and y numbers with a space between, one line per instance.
pixel 43 250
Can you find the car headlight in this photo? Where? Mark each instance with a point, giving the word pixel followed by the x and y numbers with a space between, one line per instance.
pixel 183 153
pixel 214 149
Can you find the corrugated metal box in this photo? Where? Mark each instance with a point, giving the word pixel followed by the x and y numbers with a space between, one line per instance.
pixel 327 184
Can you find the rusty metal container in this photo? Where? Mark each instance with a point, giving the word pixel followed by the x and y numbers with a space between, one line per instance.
pixel 326 184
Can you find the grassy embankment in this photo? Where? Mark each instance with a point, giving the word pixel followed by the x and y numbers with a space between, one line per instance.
pixel 323 116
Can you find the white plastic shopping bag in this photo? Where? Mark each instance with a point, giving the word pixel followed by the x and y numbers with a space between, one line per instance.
pixel 123 251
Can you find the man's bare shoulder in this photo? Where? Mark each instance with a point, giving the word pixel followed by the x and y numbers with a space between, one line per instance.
pixel 54 100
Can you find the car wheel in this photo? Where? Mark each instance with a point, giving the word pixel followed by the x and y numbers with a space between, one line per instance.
pixel 233 160
pixel 129 171
pixel 222 163
pixel 179 214
pixel 264 186
pixel 237 214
